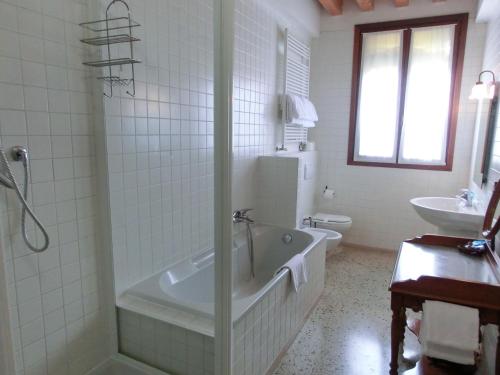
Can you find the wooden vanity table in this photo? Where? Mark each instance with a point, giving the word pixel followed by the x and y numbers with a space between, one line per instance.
pixel 432 268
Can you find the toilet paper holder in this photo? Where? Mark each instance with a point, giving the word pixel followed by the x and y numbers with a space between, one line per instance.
pixel 328 193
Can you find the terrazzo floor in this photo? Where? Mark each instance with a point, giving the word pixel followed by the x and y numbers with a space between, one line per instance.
pixel 348 333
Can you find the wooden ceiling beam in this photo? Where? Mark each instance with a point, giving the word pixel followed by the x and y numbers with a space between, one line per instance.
pixel 334 7
pixel 365 5
pixel 401 3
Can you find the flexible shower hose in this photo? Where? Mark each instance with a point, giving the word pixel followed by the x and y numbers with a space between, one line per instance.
pixel 23 197
pixel 250 249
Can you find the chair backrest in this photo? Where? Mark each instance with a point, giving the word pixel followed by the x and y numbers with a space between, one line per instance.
pixel 490 228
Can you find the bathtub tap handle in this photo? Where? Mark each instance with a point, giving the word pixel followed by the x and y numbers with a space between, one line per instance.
pixel 240 215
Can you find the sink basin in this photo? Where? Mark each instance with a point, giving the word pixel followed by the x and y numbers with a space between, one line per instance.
pixel 449 214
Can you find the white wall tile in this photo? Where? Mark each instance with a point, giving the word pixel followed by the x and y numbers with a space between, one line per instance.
pixel 255 114
pixel 11 96
pixel 44 109
pixel 156 178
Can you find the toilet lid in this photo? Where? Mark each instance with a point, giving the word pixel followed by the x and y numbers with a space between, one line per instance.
pixel 329 218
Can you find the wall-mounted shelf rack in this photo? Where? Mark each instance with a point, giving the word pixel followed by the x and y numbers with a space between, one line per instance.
pixel 110 23
pixel 113 39
pixel 107 27
pixel 115 80
pixel 111 62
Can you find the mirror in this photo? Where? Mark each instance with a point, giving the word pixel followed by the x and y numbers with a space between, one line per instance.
pixel 487 122
pixel 491 224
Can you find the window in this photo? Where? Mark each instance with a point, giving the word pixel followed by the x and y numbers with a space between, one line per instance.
pixel 405 92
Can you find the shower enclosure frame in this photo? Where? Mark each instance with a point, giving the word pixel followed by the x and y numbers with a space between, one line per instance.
pixel 223 150
pixel 6 352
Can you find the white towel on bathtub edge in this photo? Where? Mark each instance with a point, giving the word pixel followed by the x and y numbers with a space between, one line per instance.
pixel 298 270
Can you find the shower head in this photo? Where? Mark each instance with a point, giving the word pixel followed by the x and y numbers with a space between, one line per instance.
pixel 19 153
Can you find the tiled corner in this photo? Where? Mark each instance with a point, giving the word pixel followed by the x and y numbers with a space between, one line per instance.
pixel 159 144
pixel 57 312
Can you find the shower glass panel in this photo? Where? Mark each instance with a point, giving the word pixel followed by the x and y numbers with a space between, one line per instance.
pixel 267 310
pixel 158 143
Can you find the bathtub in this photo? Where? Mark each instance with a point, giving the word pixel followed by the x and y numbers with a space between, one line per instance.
pixel 187 288
pixel 190 284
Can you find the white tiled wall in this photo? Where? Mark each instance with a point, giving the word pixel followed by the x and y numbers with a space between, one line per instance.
pixel 165 346
pixel 377 199
pixel 286 187
pixel 57 310
pixel 160 143
pixel 255 95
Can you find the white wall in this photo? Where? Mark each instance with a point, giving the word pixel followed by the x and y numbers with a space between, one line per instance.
pixel 377 198
pixel 301 15
pixel 255 97
pixel 491 62
pixel 159 144
pixel 56 299
pixel 256 124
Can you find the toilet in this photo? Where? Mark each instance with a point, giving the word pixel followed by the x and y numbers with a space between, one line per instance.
pixel 338 223
pixel 333 225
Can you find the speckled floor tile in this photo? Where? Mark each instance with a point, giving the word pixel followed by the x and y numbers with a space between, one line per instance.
pixel 349 331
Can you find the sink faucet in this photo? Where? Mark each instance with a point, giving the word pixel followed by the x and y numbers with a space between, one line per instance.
pixel 467 196
pixel 241 216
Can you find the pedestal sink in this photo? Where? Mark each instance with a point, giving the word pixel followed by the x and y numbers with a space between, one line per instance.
pixel 450 215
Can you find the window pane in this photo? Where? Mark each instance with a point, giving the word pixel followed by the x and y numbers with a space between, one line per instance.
pixel 378 97
pixel 427 103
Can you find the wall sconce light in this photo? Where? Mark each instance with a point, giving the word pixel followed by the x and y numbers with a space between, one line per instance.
pixel 483 90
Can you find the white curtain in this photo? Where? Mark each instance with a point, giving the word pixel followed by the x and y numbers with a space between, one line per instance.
pixel 427 103
pixel 376 133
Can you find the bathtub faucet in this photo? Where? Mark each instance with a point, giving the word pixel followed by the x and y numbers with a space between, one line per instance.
pixel 240 216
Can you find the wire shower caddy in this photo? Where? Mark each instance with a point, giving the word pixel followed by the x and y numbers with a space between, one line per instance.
pixel 117 30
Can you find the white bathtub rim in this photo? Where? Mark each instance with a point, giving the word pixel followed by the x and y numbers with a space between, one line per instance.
pixel 190 317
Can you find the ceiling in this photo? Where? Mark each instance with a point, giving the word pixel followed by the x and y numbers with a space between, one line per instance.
pixel 334 7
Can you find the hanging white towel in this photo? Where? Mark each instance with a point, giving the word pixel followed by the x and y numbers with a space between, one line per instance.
pixel 298 270
pixel 449 332
pixel 300 111
pixel 304 123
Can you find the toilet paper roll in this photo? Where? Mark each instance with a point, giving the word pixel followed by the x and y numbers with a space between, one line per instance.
pixel 328 193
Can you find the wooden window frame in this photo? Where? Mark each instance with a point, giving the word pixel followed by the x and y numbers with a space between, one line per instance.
pixel 461 21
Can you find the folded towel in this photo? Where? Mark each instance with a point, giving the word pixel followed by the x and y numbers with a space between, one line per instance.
pixel 304 123
pixel 300 111
pixel 298 270
pixel 449 332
